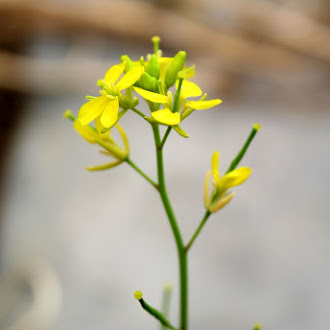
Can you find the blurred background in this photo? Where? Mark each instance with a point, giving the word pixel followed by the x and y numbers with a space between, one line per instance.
pixel 74 245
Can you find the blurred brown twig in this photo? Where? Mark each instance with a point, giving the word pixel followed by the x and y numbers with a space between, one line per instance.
pixel 21 19
pixel 273 23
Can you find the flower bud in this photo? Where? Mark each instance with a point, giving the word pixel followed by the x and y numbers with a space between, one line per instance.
pixel 129 63
pixel 153 67
pixel 149 83
pixel 176 65
pixel 138 295
pixel 257 326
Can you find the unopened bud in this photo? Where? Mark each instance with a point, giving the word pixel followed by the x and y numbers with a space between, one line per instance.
pixel 256 126
pixel 129 63
pixel 176 65
pixel 153 67
pixel 149 83
pixel 257 326
pixel 138 295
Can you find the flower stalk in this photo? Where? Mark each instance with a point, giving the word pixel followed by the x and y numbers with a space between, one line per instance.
pixel 182 255
pixel 151 78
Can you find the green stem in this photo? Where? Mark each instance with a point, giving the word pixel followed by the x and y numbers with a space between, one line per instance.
pixel 157 314
pixel 242 152
pixel 174 109
pixel 183 262
pixel 137 169
pixel 198 230
pixel 167 133
pixel 177 96
pixel 138 112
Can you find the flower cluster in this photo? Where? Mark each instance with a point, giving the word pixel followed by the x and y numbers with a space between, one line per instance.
pixel 163 82
pixel 165 85
pixel 151 79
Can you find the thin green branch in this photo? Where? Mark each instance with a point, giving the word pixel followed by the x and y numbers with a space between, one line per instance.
pixel 174 109
pixel 242 152
pixel 177 96
pixel 198 230
pixel 157 314
pixel 167 133
pixel 138 112
pixel 137 169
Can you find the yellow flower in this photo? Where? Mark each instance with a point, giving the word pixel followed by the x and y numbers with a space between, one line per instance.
pixel 220 196
pixel 166 116
pixel 110 147
pixel 106 106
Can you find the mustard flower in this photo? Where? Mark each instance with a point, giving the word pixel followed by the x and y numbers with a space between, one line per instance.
pixel 166 116
pixel 106 106
pixel 220 196
pixel 110 147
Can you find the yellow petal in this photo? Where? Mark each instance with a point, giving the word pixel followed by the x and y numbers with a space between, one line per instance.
pixel 187 73
pixel 221 203
pixel 104 167
pixel 130 78
pixel 150 96
pixel 166 117
pixel 163 63
pixel 98 125
pixel 201 105
pixel 234 178
pixel 110 113
pixel 86 131
pixel 123 136
pixel 114 73
pixel 91 109
pixel 190 89
pixel 114 149
pixel 215 165
pixel 164 60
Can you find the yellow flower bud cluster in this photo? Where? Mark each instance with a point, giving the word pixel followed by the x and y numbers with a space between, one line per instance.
pixel 151 78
